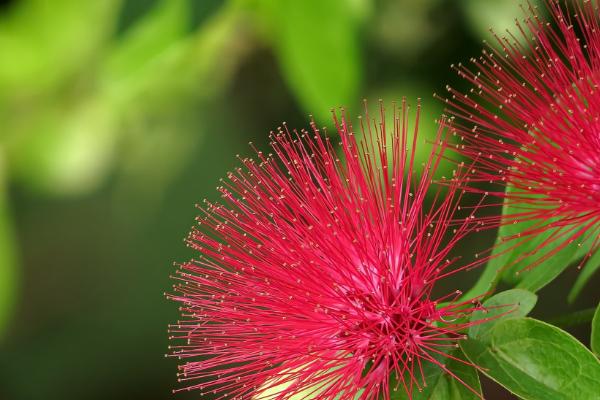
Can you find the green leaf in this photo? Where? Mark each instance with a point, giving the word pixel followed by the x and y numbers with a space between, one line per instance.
pixel 590 267
pixel 165 92
pixel 449 388
pixel 505 252
pixel 499 15
pixel 536 361
pixel 440 385
pixel 316 44
pixel 159 62
pixel 514 303
pixel 517 249
pixel 487 280
pixel 595 339
pixel 432 374
pixel 528 250
pixel 50 41
pixel 66 150
pixel 8 260
pixel 145 42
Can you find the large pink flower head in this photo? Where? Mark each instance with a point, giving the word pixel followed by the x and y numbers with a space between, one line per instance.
pixel 315 273
pixel 532 120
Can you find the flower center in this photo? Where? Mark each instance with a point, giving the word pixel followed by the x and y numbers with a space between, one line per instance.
pixel 383 330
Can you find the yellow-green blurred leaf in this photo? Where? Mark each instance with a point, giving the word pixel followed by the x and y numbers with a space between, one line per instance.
pixel 317 46
pixel 499 15
pixel 431 111
pixel 145 42
pixel 64 142
pixel 406 28
pixel 149 71
pixel 66 150
pixel 8 261
pixel 43 42
pixel 166 93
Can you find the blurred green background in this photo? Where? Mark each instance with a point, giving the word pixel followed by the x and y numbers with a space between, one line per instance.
pixel 117 116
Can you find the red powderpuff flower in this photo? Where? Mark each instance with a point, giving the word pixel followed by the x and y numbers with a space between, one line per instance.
pixel 315 275
pixel 533 121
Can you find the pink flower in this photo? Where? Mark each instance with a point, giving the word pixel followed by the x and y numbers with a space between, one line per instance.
pixel 315 275
pixel 532 120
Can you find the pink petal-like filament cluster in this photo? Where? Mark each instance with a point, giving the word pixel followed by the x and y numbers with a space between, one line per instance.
pixel 316 269
pixel 532 120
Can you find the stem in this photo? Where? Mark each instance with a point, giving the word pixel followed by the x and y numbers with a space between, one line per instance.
pixel 573 319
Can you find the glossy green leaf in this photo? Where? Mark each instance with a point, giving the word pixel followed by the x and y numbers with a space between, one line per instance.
pixel 441 385
pixel 505 252
pixel 517 250
pixel 487 281
pixel 449 388
pixel 8 261
pixel 514 303
pixel 536 361
pixel 317 47
pixel 595 337
pixel 431 374
pixel 529 249
pixel 591 266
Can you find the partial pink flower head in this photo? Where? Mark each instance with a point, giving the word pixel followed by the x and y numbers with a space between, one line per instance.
pixel 315 273
pixel 532 119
